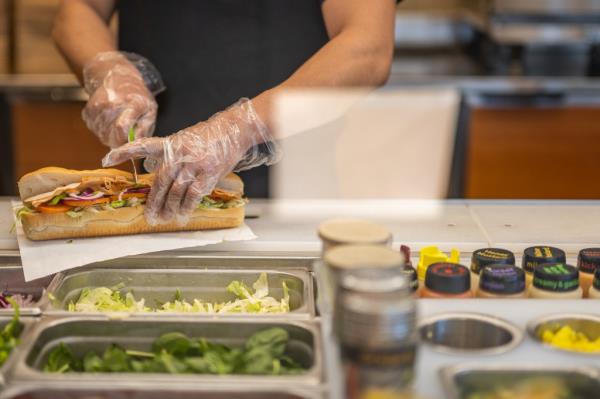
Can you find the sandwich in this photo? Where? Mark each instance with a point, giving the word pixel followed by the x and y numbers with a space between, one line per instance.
pixel 64 203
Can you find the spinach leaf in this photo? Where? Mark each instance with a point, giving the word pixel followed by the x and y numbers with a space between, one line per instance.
pixel 92 363
pixel 174 343
pixel 273 340
pixel 116 360
pixel 60 360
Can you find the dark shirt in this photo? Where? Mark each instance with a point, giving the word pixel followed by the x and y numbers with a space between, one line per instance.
pixel 213 52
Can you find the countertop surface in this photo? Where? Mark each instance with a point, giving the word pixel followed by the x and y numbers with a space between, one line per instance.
pixel 291 225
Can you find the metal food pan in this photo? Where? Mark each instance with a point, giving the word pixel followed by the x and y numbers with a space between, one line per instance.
pixel 462 381
pixel 181 259
pixel 469 333
pixel 6 368
pixel 157 286
pixel 588 324
pixel 152 391
pixel 12 281
pixel 92 333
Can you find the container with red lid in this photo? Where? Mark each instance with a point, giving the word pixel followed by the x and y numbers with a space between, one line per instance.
pixel 447 280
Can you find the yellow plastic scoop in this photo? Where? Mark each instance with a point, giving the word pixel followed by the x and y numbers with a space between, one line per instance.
pixel 430 255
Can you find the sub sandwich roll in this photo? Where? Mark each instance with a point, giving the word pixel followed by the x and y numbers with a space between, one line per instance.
pixel 63 203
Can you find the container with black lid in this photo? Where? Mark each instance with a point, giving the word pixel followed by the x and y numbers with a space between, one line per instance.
pixel 535 256
pixel 555 281
pixel 447 280
pixel 595 289
pixel 502 281
pixel 588 261
pixel 488 256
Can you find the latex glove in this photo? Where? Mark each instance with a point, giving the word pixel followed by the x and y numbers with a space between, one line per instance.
pixel 190 163
pixel 120 87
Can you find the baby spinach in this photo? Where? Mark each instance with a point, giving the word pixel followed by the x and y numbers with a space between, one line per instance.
pixel 175 353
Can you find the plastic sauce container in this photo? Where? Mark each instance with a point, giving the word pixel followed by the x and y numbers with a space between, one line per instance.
pixel 595 288
pixel 588 261
pixel 502 281
pixel 447 280
pixel 535 256
pixel 409 271
pixel 555 281
pixel 336 232
pixel 485 257
pixel 430 255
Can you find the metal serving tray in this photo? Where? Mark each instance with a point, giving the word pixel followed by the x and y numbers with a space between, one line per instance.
pixel 159 285
pixel 13 282
pixel 93 333
pixel 28 323
pixel 152 391
pixel 182 259
pixel 463 380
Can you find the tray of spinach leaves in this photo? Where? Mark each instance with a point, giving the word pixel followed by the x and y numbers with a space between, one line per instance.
pixel 264 353
pixel 182 349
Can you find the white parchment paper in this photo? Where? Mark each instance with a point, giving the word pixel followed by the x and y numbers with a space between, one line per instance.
pixel 42 258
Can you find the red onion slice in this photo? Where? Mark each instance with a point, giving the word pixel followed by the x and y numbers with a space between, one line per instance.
pixel 96 195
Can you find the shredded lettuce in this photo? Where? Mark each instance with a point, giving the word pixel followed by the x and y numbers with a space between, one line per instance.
pixel 74 214
pixel 20 212
pixel 104 299
pixel 118 204
pixel 248 300
pixel 57 198
pixel 209 203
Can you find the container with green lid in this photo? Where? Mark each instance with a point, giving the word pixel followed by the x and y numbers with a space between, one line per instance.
pixel 488 256
pixel 501 281
pixel 535 256
pixel 588 261
pixel 555 281
pixel 447 280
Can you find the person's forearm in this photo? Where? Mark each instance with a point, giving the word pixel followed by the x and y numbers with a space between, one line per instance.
pixel 81 31
pixel 348 60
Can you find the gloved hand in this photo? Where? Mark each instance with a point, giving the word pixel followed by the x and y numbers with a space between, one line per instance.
pixel 190 163
pixel 121 87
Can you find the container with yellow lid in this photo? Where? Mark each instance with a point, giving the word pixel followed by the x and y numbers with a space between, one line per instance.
pixel 535 256
pixel 430 255
pixel 588 261
pixel 348 231
pixel 555 281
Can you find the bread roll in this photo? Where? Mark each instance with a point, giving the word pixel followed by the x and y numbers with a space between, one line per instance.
pixel 126 220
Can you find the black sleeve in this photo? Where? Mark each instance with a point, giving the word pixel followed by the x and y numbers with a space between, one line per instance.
pixel 397 1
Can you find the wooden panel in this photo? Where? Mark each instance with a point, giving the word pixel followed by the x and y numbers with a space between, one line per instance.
pixel 3 36
pixel 46 134
pixel 534 153
pixel 35 50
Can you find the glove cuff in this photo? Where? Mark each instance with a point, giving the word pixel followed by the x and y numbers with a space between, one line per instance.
pixel 263 149
pixel 95 71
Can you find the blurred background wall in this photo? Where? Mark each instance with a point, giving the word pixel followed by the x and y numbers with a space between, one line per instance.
pixel 527 124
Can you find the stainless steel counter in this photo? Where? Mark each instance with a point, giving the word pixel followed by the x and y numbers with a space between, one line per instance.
pixel 290 225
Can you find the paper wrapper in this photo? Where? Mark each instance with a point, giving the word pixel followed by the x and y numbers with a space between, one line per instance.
pixel 42 258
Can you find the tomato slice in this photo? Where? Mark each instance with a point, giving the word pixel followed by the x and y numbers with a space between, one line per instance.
pixel 59 208
pixel 128 195
pixel 73 202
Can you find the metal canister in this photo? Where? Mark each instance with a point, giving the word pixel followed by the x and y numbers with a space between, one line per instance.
pixel 375 322
pixel 348 231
